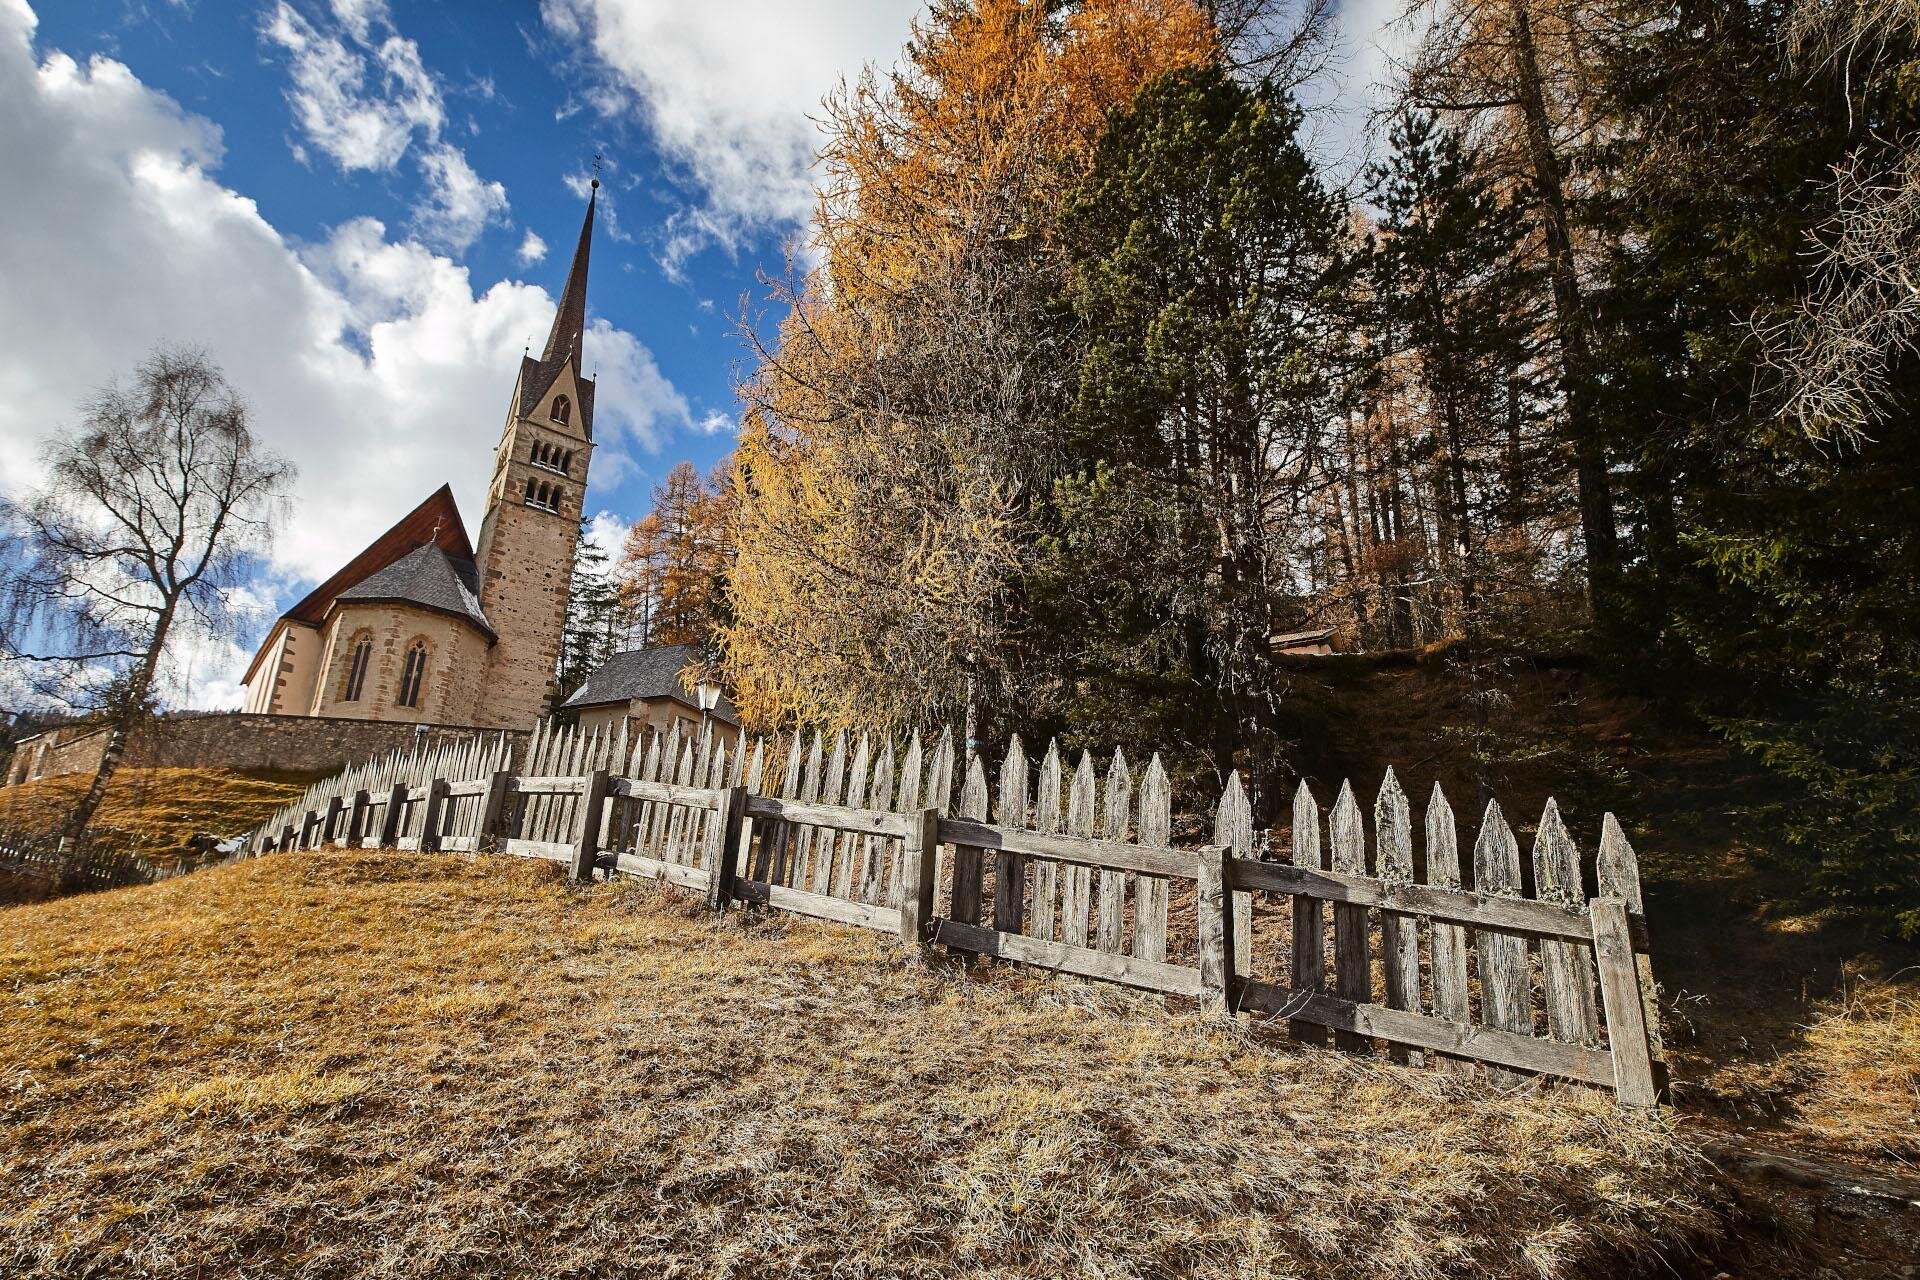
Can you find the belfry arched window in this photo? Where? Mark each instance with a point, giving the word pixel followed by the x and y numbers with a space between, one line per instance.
pixel 413 675
pixel 362 652
pixel 531 485
pixel 566 462
pixel 562 411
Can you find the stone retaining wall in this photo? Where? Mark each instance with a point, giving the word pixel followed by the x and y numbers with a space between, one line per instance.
pixel 233 740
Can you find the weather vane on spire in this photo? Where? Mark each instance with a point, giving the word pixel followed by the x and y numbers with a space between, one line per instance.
pixel 597 158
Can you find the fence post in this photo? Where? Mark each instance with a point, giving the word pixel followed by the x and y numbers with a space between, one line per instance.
pixel 723 848
pixel 430 816
pixel 916 879
pixel 308 821
pixel 587 830
pixel 327 834
pixel 1620 994
pixel 491 806
pixel 390 819
pixel 362 801
pixel 1215 876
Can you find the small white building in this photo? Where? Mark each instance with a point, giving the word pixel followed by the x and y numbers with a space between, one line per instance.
pixel 652 688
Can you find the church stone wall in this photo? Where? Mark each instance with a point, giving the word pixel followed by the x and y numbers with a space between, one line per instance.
pixel 235 740
pixel 457 656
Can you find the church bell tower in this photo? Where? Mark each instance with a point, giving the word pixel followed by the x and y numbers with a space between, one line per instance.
pixel 532 523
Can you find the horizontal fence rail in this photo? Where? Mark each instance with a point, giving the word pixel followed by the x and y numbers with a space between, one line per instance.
pixel 1359 933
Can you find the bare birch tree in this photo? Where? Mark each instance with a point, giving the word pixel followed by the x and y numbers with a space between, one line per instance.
pixel 150 509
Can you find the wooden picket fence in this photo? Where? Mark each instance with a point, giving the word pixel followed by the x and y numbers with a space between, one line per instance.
pixel 1072 868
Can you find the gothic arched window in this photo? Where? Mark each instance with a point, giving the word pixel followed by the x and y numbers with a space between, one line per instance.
pixel 413 675
pixel 357 667
pixel 561 410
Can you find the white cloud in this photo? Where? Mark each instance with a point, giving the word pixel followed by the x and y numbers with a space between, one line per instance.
pixel 360 108
pixel 730 93
pixel 360 16
pixel 459 204
pixel 1371 38
pixel 531 250
pixel 374 364
pixel 360 93
pixel 715 423
pixel 607 532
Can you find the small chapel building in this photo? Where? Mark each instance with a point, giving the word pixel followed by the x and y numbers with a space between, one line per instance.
pixel 431 627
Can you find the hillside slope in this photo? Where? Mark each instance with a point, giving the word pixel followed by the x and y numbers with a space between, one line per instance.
pixel 156 810
pixel 389 1064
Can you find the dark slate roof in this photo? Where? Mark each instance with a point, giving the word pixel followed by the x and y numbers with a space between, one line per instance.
pixel 647 673
pixel 430 578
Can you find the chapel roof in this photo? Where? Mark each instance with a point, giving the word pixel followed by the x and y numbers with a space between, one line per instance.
pixel 647 673
pixel 430 578
pixel 437 520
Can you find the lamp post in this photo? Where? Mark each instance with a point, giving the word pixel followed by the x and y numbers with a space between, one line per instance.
pixel 708 696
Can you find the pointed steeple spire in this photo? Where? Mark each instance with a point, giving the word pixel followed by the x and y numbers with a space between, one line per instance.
pixel 570 322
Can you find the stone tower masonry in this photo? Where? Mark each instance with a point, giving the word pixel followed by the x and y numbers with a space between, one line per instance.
pixel 525 551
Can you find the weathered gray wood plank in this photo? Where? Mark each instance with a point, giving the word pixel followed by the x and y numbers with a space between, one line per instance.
pixel 1399 932
pixel 820 906
pixel 1450 983
pixel 1111 911
pixel 1009 868
pixel 1219 990
pixel 1566 967
pixel 1618 871
pixel 1627 1039
pixel 1043 909
pixel 1150 891
pixel 1309 916
pixel 1233 827
pixel 1505 1049
pixel 1352 972
pixel 1506 995
pixel 1076 882
pixel 1128 970
pixel 967 859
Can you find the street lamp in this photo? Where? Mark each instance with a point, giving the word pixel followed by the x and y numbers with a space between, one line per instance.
pixel 708 696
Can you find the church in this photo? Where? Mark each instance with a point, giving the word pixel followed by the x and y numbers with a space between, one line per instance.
pixel 428 626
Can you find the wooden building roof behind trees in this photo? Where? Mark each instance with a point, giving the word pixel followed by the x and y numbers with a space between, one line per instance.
pixel 655 687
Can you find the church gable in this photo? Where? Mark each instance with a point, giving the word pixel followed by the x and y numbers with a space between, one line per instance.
pixel 436 521
pixel 556 397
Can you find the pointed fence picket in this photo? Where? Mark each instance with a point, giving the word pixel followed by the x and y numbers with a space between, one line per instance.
pixel 1082 879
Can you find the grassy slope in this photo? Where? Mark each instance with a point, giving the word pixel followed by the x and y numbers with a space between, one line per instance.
pixel 156 810
pixel 383 1064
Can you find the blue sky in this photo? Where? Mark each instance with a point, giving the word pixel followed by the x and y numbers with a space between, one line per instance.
pixel 523 102
pixel 345 203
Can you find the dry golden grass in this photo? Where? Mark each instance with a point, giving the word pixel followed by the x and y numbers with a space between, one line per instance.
pixel 155 810
pixel 394 1065
pixel 1849 1081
